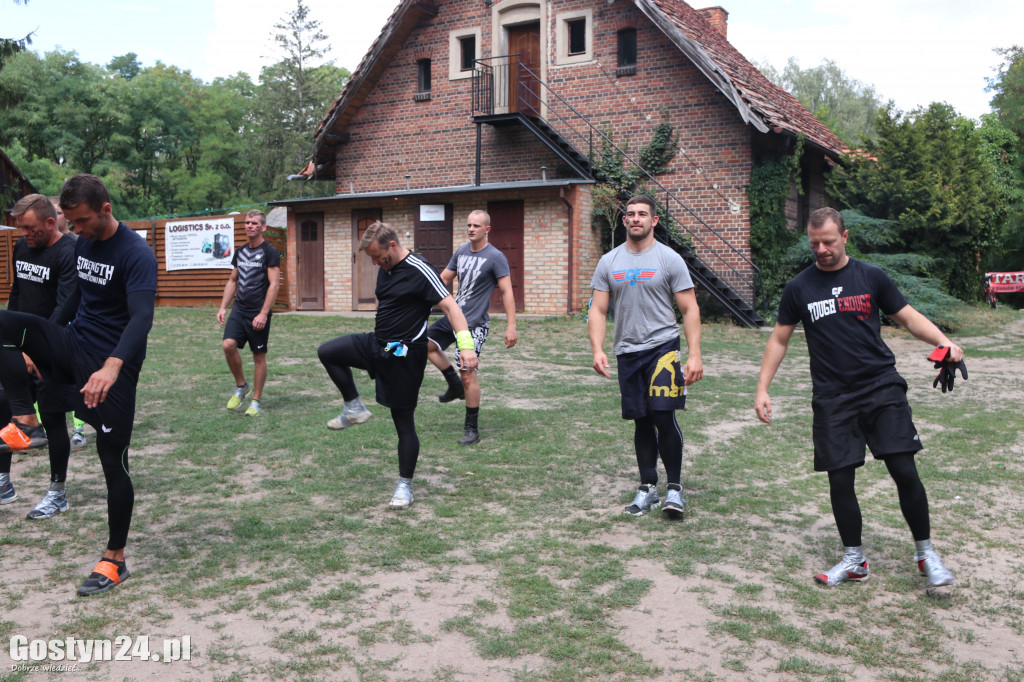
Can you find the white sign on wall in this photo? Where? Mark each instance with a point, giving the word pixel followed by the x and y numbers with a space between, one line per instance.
pixel 199 244
pixel 431 213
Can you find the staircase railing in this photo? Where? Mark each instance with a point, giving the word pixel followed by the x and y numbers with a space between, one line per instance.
pixel 503 85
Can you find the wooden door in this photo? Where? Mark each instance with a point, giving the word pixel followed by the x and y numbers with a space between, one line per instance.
pixel 309 261
pixel 507 236
pixel 524 40
pixel 434 239
pixel 364 272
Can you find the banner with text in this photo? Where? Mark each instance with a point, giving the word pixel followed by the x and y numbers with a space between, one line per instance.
pixel 199 244
pixel 1006 282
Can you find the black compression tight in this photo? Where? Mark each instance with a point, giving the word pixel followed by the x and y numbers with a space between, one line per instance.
pixel 658 433
pixel 912 495
pixel 339 356
pixel 408 441
pixel 120 492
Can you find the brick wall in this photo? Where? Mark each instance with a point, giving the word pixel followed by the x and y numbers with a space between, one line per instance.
pixel 545 241
pixel 433 141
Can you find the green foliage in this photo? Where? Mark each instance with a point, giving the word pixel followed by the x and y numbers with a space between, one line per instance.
pixel 770 237
pixel 1003 139
pixel 12 46
pixel 618 180
pixel 164 141
pixel 927 172
pixel 876 241
pixel 847 106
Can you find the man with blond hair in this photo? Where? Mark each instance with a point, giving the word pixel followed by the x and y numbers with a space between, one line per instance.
pixel 395 353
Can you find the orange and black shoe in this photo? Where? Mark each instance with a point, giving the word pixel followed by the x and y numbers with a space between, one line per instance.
pixel 17 436
pixel 107 575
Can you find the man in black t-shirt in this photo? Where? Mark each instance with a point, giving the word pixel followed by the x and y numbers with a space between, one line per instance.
pixel 253 284
pixel 45 284
pixel 858 397
pixel 395 354
pixel 101 352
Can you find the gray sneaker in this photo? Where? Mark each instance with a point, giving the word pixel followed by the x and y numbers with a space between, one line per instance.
pixel 238 397
pixel 354 413
pixel 850 569
pixel 646 499
pixel 78 440
pixel 53 503
pixel 7 492
pixel 403 494
pixel 930 565
pixel 675 505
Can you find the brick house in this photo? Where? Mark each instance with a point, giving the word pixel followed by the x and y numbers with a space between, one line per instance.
pixel 503 104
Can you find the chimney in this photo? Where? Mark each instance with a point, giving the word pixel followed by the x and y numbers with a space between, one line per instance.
pixel 717 17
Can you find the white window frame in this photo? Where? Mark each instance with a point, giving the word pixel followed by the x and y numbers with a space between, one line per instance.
pixel 455 71
pixel 562 20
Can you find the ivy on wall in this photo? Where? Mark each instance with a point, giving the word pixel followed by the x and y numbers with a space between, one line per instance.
pixel 618 180
pixel 770 237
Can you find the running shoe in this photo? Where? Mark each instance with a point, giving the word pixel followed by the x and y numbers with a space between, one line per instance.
pixel 239 396
pixel 253 409
pixel 456 391
pixel 675 505
pixel 930 565
pixel 78 440
pixel 646 499
pixel 847 570
pixel 354 413
pixel 30 436
pixel 402 497
pixel 7 492
pixel 53 503
pixel 107 575
pixel 469 436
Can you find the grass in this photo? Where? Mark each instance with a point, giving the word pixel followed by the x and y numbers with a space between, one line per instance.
pixel 267 540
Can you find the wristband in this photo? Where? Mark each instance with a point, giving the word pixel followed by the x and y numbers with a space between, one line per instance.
pixel 464 341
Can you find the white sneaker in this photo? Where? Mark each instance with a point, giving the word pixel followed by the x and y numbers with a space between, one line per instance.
pixel 402 497
pixel 930 565
pixel 354 413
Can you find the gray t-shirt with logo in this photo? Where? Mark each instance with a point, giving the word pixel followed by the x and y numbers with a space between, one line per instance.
pixel 642 287
pixel 478 273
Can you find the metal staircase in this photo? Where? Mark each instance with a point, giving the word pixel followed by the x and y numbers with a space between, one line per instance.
pixel 505 92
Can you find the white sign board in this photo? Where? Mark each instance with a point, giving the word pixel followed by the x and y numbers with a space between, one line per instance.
pixel 431 213
pixel 199 244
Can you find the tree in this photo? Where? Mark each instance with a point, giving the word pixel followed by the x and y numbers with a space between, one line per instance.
pixel 928 172
pixel 12 46
pixel 1003 133
pixel 292 98
pixel 847 106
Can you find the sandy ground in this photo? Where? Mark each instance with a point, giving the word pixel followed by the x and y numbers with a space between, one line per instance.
pixel 669 628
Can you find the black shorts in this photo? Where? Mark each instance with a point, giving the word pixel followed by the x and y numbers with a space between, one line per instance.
pixel 877 416
pixel 442 335
pixel 239 327
pixel 398 379
pixel 651 380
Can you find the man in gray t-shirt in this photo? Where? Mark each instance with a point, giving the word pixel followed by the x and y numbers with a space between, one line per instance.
pixel 480 268
pixel 644 278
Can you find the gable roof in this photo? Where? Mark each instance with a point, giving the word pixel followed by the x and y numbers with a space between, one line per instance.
pixel 757 100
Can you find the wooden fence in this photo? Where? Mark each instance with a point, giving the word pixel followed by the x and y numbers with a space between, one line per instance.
pixel 178 287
